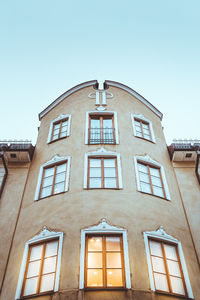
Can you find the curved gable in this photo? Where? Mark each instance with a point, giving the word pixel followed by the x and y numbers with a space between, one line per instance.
pixel 95 84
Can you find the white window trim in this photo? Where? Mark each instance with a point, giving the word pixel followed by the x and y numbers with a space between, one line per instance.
pixel 142 118
pixel 104 227
pixel 56 159
pixel 114 113
pixel 103 153
pixel 60 118
pixel 161 235
pixel 44 235
pixel 147 159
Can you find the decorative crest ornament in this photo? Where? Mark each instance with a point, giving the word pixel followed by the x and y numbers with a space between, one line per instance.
pixel 103 225
pixel 161 233
pixel 43 234
pixel 101 96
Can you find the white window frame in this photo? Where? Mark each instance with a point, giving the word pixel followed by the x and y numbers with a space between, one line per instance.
pixel 148 160
pixel 44 235
pixel 161 235
pixel 55 160
pixel 103 153
pixel 142 118
pixel 104 228
pixel 101 113
pixel 60 118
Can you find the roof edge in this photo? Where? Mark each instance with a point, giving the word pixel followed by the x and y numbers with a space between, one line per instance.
pixel 134 93
pixel 66 94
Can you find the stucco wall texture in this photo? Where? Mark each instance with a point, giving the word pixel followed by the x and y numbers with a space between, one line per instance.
pixel 78 208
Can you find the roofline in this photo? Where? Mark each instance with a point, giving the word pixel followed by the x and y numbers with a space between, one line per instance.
pixel 66 94
pixel 135 94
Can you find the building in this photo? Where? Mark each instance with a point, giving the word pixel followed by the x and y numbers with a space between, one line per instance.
pixel 103 209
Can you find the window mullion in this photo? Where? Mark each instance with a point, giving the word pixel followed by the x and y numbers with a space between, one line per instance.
pixel 104 261
pixel 162 183
pixel 148 168
pixel 166 267
pixel 141 126
pixel 54 178
pixel 101 130
pixel 60 129
pixel 41 268
pixel 102 173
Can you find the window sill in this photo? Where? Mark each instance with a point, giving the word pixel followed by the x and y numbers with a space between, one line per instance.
pixel 172 295
pixel 139 137
pixel 38 295
pixel 50 196
pixel 102 188
pixel 154 195
pixel 51 142
pixel 105 289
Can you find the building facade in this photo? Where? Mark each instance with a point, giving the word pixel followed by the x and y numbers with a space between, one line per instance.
pixel 103 209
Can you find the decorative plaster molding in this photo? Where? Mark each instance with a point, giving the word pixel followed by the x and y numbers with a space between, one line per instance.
pixel 103 225
pixel 44 234
pixel 100 108
pixel 161 233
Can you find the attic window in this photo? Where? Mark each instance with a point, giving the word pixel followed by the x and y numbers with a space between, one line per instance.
pixel 188 155
pixel 13 155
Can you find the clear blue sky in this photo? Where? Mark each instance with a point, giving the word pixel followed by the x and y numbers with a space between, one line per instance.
pixel 47 47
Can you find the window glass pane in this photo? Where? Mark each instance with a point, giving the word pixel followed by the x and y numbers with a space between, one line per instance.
pixel 56 131
pixel 113 260
pixel 95 182
pixel 55 137
pixel 170 252
pixel 59 187
pixel 109 162
pixel 148 137
pixel 110 183
pixel 33 268
pixel 46 192
pixel 94 260
pixel 142 168
pixel 49 265
pixel 61 168
pixel 161 282
pixel 47 283
pixel 47 181
pixel 137 123
pixel 57 126
pixel 60 177
pixel 107 123
pixel 139 134
pixel 64 123
pixel 95 244
pixel 158 191
pixel 155 248
pixel 158 264
pixel 113 243
pixel 144 177
pixel 51 248
pixel 95 172
pixel 95 163
pixel 138 129
pixel 154 172
pixel 156 181
pixel 145 126
pixel 145 187
pixel 30 286
pixel 48 172
pixel 177 285
pixel 145 131
pixel 63 133
pixel 114 277
pixel 95 123
pixel 173 267
pixel 94 278
pixel 36 252
pixel 109 172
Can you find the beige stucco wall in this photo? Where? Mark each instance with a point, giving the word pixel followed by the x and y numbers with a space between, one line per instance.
pixel 78 208
pixel 9 209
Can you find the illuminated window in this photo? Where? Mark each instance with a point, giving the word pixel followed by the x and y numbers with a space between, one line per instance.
pixel 53 177
pixel 41 263
pixel 150 177
pixel 166 264
pixel 41 268
pixel 142 127
pixel 102 172
pixel 101 128
pixel 104 261
pixel 59 128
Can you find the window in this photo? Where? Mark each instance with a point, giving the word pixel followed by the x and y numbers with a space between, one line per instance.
pixel 101 128
pixel 3 173
pixel 102 170
pixel 53 177
pixel 166 264
pixel 142 127
pixel 104 261
pixel 59 128
pixel 40 268
pixel 151 177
